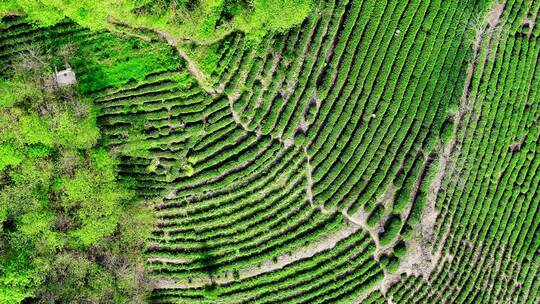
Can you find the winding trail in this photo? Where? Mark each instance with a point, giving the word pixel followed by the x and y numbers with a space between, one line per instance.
pixel 199 75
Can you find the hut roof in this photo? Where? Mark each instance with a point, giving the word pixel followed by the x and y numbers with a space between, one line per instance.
pixel 65 77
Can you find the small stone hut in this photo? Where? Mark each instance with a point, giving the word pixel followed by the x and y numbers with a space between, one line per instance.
pixel 64 77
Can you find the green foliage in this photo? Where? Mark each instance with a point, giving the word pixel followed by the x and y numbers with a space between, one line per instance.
pixel 393 264
pixel 7 7
pixel 391 230
pixel 60 198
pixel 375 216
pixel 18 278
pixel 135 144
pixel 83 136
pixel 447 129
pixel 133 59
pixel 207 56
pixel 9 155
pixel 400 249
pixel 16 89
pixel 274 15
pixel 205 20
pixel 371 84
pixel 50 12
pixel 40 12
pixel 32 118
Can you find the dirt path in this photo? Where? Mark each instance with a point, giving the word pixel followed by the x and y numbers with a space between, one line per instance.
pixel 429 216
pixel 200 76
pixel 165 260
pixel 202 79
pixel 360 217
pixel 326 243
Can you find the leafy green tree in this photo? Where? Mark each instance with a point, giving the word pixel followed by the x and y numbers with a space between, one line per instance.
pixel 276 15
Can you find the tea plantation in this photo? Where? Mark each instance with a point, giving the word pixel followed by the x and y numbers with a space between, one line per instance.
pixel 354 151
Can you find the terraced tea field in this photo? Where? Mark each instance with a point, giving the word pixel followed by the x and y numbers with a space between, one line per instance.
pixel 380 152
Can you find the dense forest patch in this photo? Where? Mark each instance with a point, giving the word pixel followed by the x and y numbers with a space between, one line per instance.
pixel 70 231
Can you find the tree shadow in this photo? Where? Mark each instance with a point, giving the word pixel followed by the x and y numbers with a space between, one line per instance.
pixel 211 269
